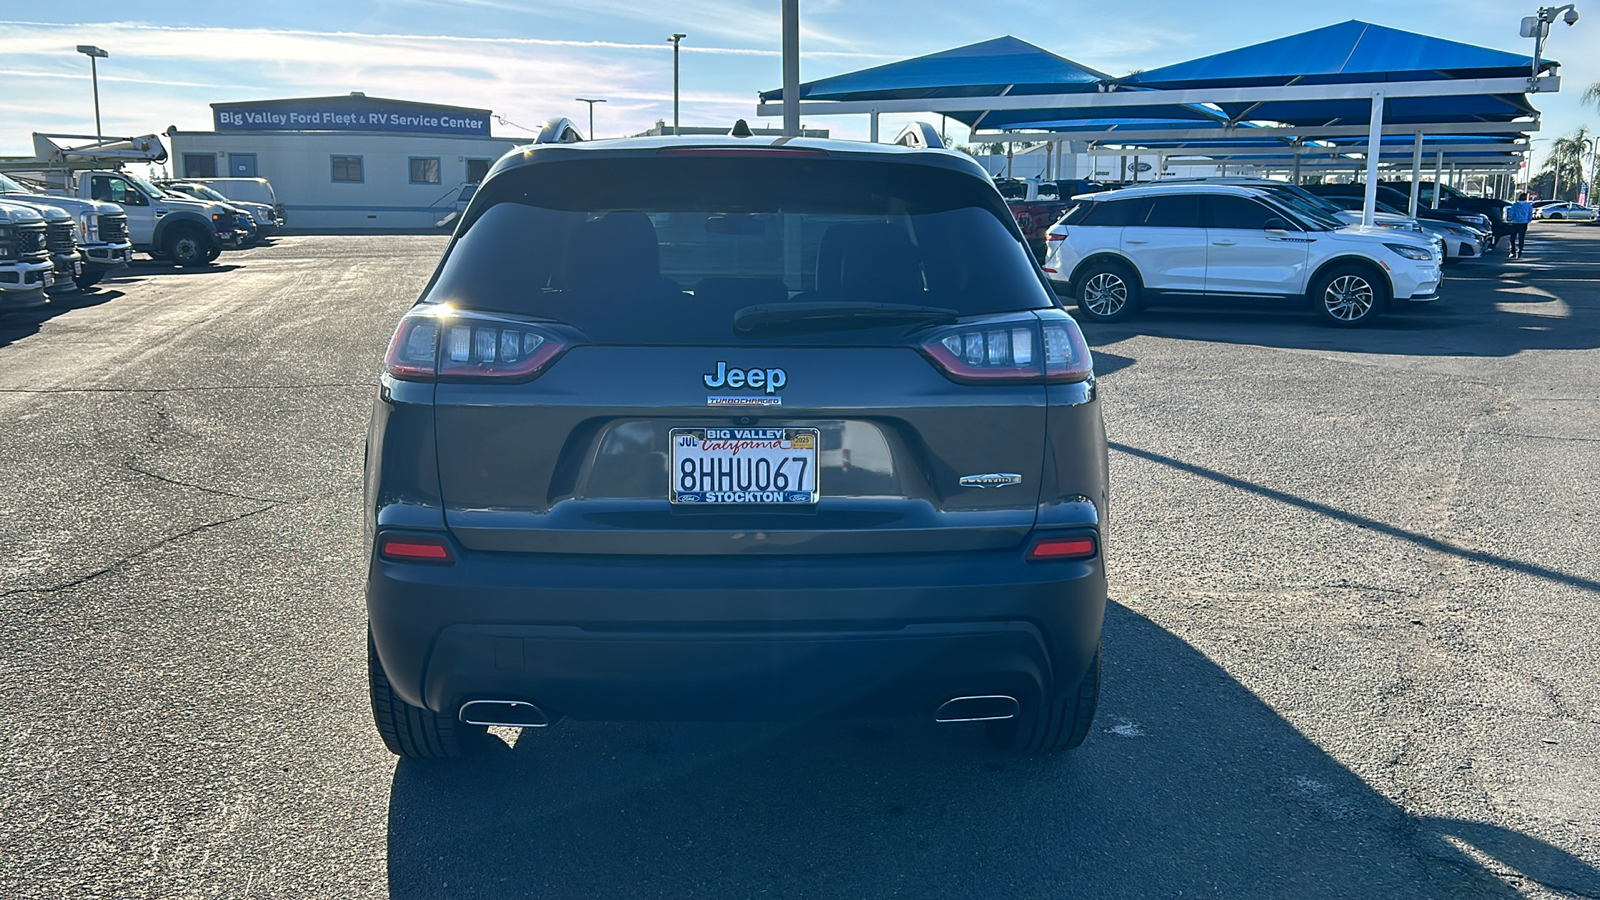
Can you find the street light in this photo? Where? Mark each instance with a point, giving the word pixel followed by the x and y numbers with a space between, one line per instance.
pixel 94 53
pixel 1527 180
pixel 1538 28
pixel 591 113
pixel 674 39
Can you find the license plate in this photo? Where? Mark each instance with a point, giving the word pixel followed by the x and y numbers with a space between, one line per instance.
pixel 744 465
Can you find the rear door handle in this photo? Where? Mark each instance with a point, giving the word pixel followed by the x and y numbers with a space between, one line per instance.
pixel 1137 240
pixel 1224 243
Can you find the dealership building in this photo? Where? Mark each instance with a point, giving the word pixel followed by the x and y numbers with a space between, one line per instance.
pixel 349 163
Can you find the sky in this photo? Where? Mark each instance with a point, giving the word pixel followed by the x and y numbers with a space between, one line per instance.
pixel 527 61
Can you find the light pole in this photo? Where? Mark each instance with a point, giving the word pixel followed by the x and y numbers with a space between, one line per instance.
pixel 94 53
pixel 1527 181
pixel 591 113
pixel 674 39
pixel 1538 28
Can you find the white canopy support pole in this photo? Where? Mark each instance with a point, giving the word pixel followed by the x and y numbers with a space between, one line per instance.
pixel 1374 147
pixel 1438 176
pixel 1295 178
pixel 1416 173
pixel 872 127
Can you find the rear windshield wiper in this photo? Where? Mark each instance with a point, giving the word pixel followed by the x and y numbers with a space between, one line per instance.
pixel 822 316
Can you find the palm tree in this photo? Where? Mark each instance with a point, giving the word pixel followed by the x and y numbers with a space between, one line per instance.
pixel 1564 165
pixel 1591 94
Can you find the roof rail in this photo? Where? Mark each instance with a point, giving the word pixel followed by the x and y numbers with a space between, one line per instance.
pixel 559 131
pixel 921 136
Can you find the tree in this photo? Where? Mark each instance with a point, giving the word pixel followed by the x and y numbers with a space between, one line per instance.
pixel 1564 165
pixel 1591 94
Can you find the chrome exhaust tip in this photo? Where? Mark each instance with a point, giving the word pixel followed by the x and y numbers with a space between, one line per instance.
pixel 504 714
pixel 982 708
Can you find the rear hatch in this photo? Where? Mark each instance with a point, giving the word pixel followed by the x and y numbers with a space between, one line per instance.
pixel 700 353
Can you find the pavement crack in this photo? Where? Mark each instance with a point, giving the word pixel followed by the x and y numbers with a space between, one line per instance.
pixel 210 490
pixel 114 566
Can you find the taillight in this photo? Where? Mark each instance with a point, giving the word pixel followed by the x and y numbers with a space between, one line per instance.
pixel 1055 236
pixel 415 548
pixel 1052 350
pixel 438 342
pixel 1065 546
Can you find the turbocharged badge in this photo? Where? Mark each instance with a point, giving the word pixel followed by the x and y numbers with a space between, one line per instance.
pixel 991 480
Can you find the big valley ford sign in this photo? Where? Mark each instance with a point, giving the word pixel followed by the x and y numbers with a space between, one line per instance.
pixel 348 114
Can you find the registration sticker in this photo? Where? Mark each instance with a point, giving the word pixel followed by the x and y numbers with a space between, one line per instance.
pixel 744 465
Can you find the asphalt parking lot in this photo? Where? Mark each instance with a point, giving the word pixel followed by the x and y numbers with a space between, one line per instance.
pixel 1351 653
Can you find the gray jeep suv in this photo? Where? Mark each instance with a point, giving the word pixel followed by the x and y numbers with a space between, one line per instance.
pixel 730 428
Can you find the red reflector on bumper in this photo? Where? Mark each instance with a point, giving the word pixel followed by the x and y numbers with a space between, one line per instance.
pixel 1066 547
pixel 414 549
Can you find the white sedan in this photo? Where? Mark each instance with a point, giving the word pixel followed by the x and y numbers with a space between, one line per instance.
pixel 1565 210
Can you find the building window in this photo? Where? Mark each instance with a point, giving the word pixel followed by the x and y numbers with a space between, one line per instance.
pixel 199 165
pixel 424 170
pixel 347 169
pixel 478 170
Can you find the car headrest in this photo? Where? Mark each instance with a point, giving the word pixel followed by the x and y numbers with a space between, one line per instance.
pixel 868 261
pixel 615 253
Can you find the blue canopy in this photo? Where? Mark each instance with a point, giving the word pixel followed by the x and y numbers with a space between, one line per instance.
pixel 1004 65
pixel 1354 52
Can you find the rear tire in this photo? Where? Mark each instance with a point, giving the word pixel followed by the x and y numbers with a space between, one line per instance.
pixel 1107 291
pixel 412 732
pixel 1349 296
pixel 1062 724
pixel 187 246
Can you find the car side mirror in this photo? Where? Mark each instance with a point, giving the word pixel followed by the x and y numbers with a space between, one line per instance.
pixel 1275 224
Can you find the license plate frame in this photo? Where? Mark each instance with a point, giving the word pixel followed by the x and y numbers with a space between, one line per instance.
pixel 783 449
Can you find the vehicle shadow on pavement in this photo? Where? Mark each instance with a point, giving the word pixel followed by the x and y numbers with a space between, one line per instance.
pixel 19 324
pixel 1188 786
pixel 1489 308
pixel 1421 540
pixel 162 267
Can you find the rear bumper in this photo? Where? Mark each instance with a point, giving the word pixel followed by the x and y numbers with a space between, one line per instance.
pixel 633 638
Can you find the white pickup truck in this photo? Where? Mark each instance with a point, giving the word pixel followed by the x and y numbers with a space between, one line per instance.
pixel 187 231
pixel 101 230
pixel 25 266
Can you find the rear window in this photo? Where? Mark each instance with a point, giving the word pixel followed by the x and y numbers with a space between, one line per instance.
pixel 1131 211
pixel 665 250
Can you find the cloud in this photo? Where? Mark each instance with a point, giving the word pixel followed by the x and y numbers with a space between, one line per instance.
pixel 161 75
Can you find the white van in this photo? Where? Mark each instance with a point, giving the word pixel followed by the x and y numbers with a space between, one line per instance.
pixel 250 190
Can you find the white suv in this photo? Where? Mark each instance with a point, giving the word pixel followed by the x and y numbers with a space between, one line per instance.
pixel 1115 250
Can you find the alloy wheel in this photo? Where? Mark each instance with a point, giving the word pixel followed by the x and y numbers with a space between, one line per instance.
pixel 1348 298
pixel 1105 294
